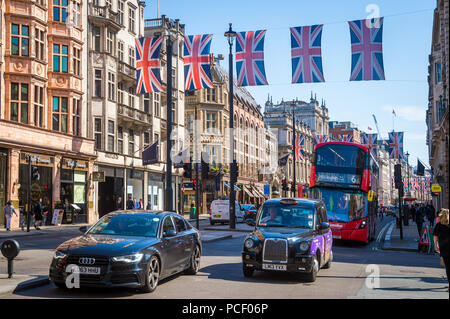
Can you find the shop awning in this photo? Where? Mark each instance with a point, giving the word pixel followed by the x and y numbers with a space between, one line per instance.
pixel 235 187
pixel 257 191
pixel 248 190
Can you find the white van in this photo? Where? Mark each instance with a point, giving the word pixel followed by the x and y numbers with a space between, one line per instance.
pixel 220 212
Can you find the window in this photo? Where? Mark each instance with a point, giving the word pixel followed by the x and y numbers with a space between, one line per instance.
pixel 211 122
pixel 60 10
pixel 19 39
pixel 131 20
pixel 120 50
pixel 157 105
pixel 131 56
pixel 76 117
pixel 438 70
pixel 211 95
pixel 131 143
pixel 39 48
pixel 19 102
pixel 59 115
pixel 76 14
pixel 179 223
pixel 108 3
pixel 120 10
pixel 147 102
pixel 111 86
pixel 60 58
pixel 110 42
pixel 131 91
pixel 98 133
pixel 38 105
pixel 190 123
pixel 110 136
pixel 146 139
pixel 77 61
pixel 167 225
pixel 120 139
pixel 96 35
pixel 98 83
pixel 120 92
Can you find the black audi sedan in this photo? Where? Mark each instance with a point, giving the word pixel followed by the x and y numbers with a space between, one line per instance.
pixel 129 249
pixel 290 235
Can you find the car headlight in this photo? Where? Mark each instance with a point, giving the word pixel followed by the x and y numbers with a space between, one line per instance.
pixel 304 246
pixel 59 255
pixel 129 258
pixel 249 243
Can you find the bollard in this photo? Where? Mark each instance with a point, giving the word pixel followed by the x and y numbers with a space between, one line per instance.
pixel 10 249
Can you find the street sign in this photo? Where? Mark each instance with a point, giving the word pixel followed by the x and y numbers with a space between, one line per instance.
pixel 98 176
pixel 370 196
pixel 436 188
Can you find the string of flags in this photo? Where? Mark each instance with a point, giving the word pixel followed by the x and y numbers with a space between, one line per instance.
pixel 416 183
pixel 306 57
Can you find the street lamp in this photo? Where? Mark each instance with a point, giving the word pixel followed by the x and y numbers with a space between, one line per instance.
pixel 230 35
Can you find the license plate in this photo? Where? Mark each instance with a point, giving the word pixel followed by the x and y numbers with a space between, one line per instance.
pixel 274 267
pixel 87 270
pixel 217 216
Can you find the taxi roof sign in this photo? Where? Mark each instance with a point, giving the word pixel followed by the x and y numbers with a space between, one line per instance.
pixel 288 201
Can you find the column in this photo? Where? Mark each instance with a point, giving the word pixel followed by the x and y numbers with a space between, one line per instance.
pixel 13 185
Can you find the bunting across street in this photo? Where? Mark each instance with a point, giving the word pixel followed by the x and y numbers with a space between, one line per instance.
pixel 367 49
pixel 197 62
pixel 348 138
pixel 250 58
pixel 148 65
pixel 306 54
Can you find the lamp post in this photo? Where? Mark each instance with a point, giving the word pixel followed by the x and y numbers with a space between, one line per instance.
pixel 293 149
pixel 230 35
pixel 406 211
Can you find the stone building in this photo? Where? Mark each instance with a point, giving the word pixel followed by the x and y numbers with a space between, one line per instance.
pixel 344 128
pixel 310 119
pixel 437 115
pixel 43 113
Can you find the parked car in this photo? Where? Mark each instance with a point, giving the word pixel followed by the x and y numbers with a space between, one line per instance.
pixel 220 212
pixel 292 235
pixel 129 249
pixel 250 212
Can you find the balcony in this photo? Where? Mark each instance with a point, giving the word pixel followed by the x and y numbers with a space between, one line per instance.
pixel 127 71
pixel 130 117
pixel 105 16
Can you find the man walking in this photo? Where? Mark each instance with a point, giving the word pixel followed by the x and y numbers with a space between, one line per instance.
pixel 130 203
pixel 419 219
pixel 9 210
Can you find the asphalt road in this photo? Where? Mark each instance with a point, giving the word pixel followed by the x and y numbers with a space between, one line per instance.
pixel 401 275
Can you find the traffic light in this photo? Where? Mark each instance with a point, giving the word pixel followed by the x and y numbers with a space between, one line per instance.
pixel 397 175
pixel 292 187
pixel 205 169
pixel 35 174
pixel 194 184
pixel 284 185
pixel 187 170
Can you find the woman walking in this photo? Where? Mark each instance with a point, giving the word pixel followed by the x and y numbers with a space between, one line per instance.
pixel 440 236
pixel 9 210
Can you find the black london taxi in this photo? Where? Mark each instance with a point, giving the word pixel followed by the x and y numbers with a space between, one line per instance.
pixel 291 235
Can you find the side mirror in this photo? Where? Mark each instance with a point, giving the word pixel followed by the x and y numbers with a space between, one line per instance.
pixel 251 222
pixel 83 229
pixel 324 226
pixel 170 233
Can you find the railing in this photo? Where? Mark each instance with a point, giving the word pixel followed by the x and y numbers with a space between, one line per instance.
pixel 191 100
pixel 153 23
pixel 133 114
pixel 104 12
pixel 127 70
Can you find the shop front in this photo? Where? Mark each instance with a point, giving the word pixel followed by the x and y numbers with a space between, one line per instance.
pixel 73 180
pixel 41 186
pixel 135 185
pixel 155 191
pixel 110 189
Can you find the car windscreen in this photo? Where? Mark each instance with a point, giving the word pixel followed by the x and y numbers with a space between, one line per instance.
pixel 294 216
pixel 344 206
pixel 142 225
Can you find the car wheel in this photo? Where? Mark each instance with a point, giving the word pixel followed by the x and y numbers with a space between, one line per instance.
pixel 248 271
pixel 194 264
pixel 152 275
pixel 311 276
pixel 328 264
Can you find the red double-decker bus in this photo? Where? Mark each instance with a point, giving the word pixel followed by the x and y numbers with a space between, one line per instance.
pixel 345 177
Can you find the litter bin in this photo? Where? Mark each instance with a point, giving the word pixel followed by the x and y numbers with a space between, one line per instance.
pixel 192 213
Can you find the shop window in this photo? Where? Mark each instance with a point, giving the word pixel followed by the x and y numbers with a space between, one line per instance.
pixel 19 103
pixel 20 39
pixel 60 58
pixel 60 10
pixel 60 114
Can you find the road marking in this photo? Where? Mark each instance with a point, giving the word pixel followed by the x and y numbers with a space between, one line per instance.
pixel 380 235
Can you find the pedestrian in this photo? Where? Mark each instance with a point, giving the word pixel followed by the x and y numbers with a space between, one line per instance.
pixel 135 203
pixel 9 210
pixel 119 203
pixel 440 236
pixel 149 204
pixel 419 219
pixel 130 204
pixel 141 204
pixel 38 214
pixel 431 214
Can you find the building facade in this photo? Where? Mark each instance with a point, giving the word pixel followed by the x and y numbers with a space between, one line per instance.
pixel 437 115
pixel 344 128
pixel 310 119
pixel 121 122
pixel 43 111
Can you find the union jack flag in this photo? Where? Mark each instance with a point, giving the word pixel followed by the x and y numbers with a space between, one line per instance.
pixel 396 145
pixel 321 139
pixel 300 147
pixel 370 140
pixel 405 181
pixel 415 184
pixel 197 69
pixel 367 50
pixel 306 54
pixel 148 65
pixel 250 58
pixel 346 138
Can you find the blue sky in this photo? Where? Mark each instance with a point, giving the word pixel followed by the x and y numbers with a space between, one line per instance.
pixel 407 34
